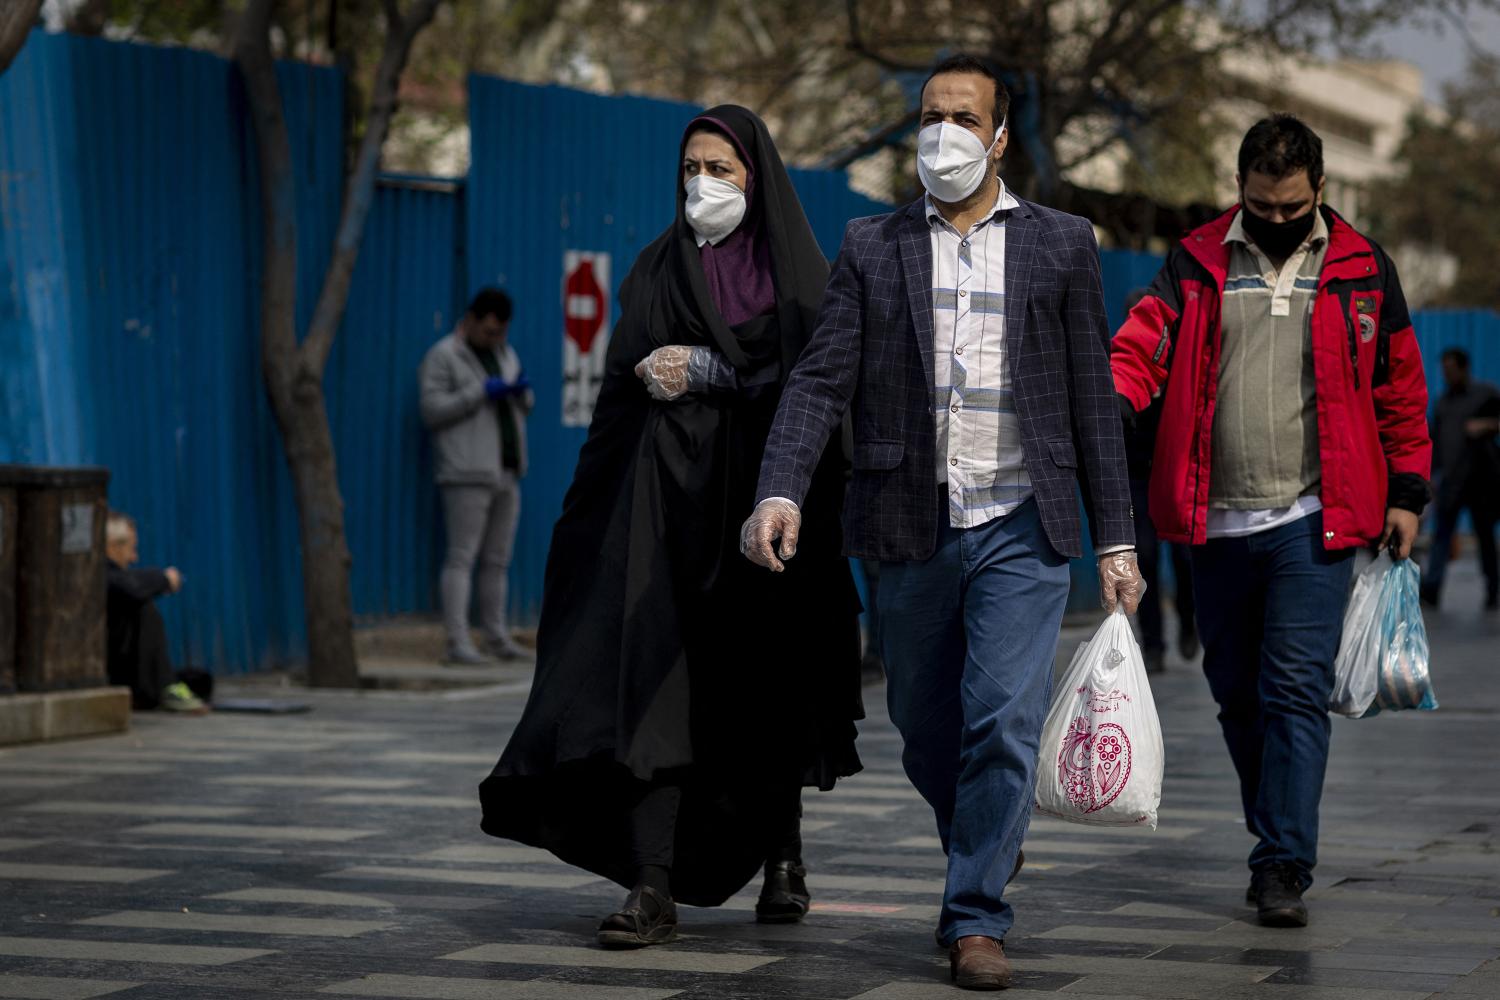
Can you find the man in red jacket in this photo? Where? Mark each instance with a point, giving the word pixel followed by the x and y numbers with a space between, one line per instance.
pixel 1293 432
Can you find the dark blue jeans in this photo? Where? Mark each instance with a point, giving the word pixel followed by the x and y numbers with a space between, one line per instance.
pixel 969 638
pixel 1270 611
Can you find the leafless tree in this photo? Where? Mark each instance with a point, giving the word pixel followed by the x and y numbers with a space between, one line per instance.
pixel 293 367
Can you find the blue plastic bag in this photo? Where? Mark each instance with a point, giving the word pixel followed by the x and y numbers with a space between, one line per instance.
pixel 1383 663
pixel 1405 679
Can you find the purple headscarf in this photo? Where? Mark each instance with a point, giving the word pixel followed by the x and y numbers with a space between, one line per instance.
pixel 738 270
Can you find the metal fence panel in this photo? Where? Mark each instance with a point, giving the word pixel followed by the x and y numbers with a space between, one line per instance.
pixel 404 296
pixel 129 321
pixel 129 275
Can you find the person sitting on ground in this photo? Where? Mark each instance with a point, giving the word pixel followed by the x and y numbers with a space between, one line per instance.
pixel 138 655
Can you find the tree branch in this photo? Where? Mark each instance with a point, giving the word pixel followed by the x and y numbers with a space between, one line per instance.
pixel 1090 152
pixel 875 140
pixel 16 21
pixel 359 193
pixel 278 192
pixel 858 44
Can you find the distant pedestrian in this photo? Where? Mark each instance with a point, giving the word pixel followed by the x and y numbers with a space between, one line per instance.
pixel 682 698
pixel 138 657
pixel 1466 463
pixel 475 397
pixel 965 334
pixel 1140 443
pixel 1292 433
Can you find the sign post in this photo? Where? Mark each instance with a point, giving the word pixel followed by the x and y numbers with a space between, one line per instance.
pixel 586 311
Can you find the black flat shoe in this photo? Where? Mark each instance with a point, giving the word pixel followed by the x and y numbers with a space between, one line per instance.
pixel 647 918
pixel 783 898
pixel 1276 891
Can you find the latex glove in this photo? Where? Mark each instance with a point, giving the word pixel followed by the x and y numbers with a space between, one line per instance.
pixel 665 372
pixel 495 387
pixel 773 518
pixel 1400 532
pixel 520 385
pixel 1120 581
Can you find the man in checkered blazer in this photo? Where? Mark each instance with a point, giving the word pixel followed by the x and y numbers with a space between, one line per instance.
pixel 966 334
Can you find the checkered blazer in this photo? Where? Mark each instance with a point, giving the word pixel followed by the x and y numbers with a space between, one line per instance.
pixel 871 352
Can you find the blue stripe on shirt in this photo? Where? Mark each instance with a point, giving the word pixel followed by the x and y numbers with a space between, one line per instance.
pixel 989 303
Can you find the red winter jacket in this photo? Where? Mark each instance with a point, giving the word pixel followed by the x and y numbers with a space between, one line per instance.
pixel 1372 423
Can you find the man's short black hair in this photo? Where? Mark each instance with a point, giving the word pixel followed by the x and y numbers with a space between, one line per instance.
pixel 972 64
pixel 490 302
pixel 1279 146
pixel 1458 356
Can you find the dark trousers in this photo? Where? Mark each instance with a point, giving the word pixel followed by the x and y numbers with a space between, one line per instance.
pixel 653 824
pixel 138 657
pixel 1482 510
pixel 1270 611
pixel 1148 555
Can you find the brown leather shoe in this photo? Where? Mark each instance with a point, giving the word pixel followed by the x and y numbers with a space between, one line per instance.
pixel 979 963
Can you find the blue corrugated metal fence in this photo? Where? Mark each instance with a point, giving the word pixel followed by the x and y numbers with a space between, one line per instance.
pixel 129 269
pixel 129 338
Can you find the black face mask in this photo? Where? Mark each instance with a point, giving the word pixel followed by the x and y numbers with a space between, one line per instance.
pixel 1277 239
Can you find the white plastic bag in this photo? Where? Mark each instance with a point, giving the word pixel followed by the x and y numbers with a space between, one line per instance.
pixel 1356 670
pixel 1101 756
pixel 1383 662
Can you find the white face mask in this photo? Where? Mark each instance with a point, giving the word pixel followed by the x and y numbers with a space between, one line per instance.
pixel 951 161
pixel 714 207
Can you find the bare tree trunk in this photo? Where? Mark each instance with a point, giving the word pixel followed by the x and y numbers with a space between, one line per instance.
pixel 17 18
pixel 293 372
pixel 296 404
pixel 326 561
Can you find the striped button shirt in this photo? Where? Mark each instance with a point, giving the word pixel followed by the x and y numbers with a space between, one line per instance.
pixel 978 437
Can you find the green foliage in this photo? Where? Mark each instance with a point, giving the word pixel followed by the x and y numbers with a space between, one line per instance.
pixel 1446 196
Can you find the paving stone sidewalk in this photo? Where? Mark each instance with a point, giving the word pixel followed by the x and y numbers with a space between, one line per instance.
pixel 338 854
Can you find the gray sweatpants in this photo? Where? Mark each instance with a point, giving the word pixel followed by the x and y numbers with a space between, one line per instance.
pixel 481 524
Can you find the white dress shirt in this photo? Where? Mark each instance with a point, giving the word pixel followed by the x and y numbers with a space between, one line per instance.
pixel 978 436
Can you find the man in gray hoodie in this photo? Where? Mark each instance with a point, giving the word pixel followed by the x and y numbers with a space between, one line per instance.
pixel 475 398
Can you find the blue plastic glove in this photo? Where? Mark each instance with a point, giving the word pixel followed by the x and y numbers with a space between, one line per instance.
pixel 521 384
pixel 495 387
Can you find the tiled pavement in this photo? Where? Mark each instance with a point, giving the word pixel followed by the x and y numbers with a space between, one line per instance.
pixel 337 854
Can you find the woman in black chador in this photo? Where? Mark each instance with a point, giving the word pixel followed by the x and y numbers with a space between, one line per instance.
pixel 684 697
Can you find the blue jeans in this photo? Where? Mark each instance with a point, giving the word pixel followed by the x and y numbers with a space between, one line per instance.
pixel 1270 612
pixel 969 638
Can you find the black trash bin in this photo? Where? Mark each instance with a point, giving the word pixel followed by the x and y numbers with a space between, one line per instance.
pixel 60 590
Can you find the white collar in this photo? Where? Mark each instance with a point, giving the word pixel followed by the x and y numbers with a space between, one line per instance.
pixel 1004 202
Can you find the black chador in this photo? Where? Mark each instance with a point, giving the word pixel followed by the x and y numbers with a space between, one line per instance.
pixel 683 696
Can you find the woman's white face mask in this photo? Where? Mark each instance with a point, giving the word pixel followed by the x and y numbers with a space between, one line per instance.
pixel 951 160
pixel 715 207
